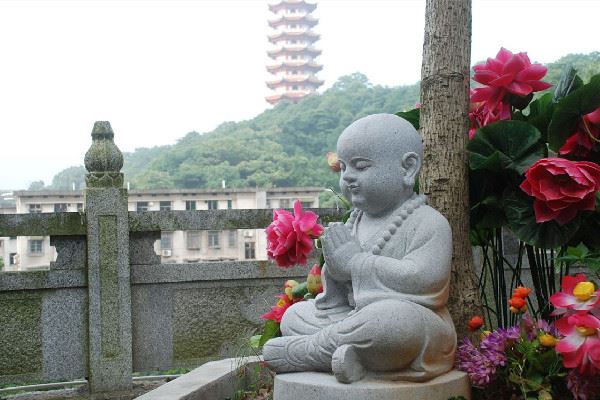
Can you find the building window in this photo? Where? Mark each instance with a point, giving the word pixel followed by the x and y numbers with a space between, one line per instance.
pixel 35 208
pixel 213 239
pixel 165 206
pixel 142 206
pixel 79 207
pixel 249 252
pixel 268 204
pixel 229 204
pixel 295 87
pixel 12 259
pixel 306 204
pixel 294 57
pixel 190 205
pixel 294 72
pixel 35 247
pixel 166 240
pixel 193 240
pixel 284 203
pixel 212 204
pixel 231 238
pixel 60 207
pixel 1 243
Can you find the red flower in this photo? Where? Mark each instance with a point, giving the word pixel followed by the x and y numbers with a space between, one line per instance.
pixel 508 72
pixel 475 323
pixel 290 237
pixel 587 133
pixel 517 304
pixel 561 188
pixel 278 310
pixel 485 113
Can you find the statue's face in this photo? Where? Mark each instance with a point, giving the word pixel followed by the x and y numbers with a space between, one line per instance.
pixel 372 177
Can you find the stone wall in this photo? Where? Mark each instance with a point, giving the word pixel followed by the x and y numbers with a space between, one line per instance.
pixel 108 308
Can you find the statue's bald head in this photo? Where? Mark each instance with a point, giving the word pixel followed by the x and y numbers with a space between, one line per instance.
pixel 384 134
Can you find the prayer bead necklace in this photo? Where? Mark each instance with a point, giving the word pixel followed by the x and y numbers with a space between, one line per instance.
pixel 405 210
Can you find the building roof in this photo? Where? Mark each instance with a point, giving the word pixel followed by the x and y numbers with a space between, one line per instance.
pixel 166 192
pixel 306 64
pixel 294 49
pixel 293 96
pixel 294 79
pixel 288 4
pixel 286 35
pixel 295 19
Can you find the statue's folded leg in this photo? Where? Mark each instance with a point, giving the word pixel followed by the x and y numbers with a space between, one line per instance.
pixel 383 336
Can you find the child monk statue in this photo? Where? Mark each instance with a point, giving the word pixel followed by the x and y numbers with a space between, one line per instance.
pixel 386 275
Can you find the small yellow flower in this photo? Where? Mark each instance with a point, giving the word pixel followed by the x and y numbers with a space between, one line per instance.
pixel 484 334
pixel 289 286
pixel 548 340
pixel 586 331
pixel 584 290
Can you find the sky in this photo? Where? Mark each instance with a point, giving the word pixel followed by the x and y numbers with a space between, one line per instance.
pixel 160 69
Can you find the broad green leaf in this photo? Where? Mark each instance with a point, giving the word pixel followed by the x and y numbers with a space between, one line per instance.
pixel 505 145
pixel 521 220
pixel 411 116
pixel 271 330
pixel 255 341
pixel 540 114
pixel 569 81
pixel 569 109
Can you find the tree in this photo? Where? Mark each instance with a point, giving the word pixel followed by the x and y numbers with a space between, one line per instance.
pixel 65 179
pixel 36 185
pixel 444 125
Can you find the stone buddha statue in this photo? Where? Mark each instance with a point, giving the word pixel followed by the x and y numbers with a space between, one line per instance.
pixel 386 275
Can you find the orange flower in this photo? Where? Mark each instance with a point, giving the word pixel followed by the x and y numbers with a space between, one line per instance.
pixel 521 292
pixel 517 304
pixel 475 323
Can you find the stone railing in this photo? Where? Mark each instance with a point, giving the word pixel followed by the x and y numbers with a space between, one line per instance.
pixel 107 307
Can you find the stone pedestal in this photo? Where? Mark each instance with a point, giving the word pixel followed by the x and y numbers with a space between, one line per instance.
pixel 323 386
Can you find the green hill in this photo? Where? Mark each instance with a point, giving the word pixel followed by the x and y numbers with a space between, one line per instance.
pixel 283 146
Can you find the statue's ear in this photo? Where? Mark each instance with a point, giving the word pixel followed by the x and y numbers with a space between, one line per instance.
pixel 411 162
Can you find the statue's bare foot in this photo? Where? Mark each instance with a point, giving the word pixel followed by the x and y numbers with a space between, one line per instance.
pixel 346 365
pixel 275 355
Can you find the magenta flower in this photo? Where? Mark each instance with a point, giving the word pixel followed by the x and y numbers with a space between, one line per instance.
pixel 485 113
pixel 580 346
pixel 290 237
pixel 586 135
pixel 508 72
pixel 577 294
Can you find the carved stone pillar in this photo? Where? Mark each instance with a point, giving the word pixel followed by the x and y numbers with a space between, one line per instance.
pixel 110 354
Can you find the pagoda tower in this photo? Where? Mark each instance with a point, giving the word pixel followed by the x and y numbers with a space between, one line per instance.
pixel 294 67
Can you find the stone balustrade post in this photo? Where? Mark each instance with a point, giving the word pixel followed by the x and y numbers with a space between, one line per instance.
pixel 109 290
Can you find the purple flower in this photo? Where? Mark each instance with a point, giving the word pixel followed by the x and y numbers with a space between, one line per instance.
pixel 481 370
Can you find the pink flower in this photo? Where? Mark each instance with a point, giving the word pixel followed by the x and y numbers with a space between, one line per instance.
pixel 485 113
pixel 577 294
pixel 587 134
pixel 508 72
pixel 290 237
pixel 580 347
pixel 561 188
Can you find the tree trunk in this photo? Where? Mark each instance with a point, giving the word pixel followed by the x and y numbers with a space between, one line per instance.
pixel 444 125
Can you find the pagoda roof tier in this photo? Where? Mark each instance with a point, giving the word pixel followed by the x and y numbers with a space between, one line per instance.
pixel 306 64
pixel 313 80
pixel 297 19
pixel 287 4
pixel 294 50
pixel 285 35
pixel 294 96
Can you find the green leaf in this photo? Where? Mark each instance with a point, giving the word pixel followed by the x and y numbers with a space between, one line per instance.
pixel 271 330
pixel 255 341
pixel 540 114
pixel 411 116
pixel 300 290
pixel 569 81
pixel 521 219
pixel 505 145
pixel 569 109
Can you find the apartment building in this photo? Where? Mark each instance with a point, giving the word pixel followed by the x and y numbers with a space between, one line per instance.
pixel 8 245
pixel 35 252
